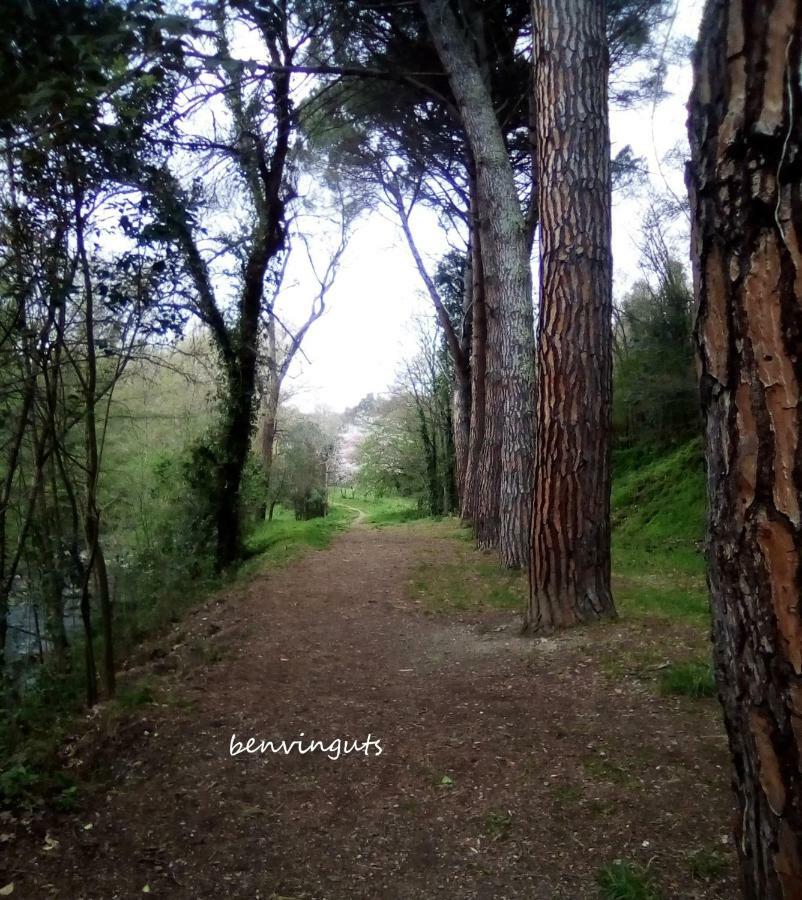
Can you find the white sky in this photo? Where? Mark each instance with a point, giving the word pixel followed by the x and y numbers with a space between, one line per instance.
pixel 359 344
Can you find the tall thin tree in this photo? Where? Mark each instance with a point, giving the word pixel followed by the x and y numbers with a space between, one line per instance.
pixel 509 426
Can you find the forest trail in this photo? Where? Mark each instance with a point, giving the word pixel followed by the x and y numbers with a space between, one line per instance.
pixel 510 767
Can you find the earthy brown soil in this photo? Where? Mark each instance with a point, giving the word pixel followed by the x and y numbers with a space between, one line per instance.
pixel 510 767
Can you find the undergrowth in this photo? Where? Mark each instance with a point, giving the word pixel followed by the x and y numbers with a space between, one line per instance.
pixel 38 713
pixel 623 881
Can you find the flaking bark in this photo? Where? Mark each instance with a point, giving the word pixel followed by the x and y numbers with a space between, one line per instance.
pixel 744 183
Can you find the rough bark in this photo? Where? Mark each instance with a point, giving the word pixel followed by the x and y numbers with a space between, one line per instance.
pixel 487 512
pixel 509 425
pixel 470 491
pixel 744 183
pixel 461 423
pixel 570 562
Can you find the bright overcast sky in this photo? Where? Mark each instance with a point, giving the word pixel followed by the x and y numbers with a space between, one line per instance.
pixel 368 328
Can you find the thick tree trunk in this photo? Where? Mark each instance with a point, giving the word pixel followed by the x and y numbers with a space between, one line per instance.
pixel 570 562
pixel 745 132
pixel 508 299
pixel 234 446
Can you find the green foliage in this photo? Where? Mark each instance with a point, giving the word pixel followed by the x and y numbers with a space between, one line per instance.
pixel 18 785
pixel 449 278
pixel 299 473
pixel 692 679
pixel 28 782
pixel 390 457
pixel 385 510
pixel 169 546
pixel 409 446
pixel 623 881
pixel 655 397
pixel 31 723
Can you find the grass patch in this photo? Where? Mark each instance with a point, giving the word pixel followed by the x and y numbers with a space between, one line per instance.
pixel 471 583
pixel 284 538
pixel 497 825
pixel 658 519
pixel 625 662
pixel 131 697
pixel 658 501
pixel 623 881
pixel 659 595
pixel 692 679
pixel 707 864
pixel 381 511
pixel 602 769
pixel 567 794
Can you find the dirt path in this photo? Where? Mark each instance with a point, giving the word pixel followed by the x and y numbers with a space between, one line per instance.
pixel 510 768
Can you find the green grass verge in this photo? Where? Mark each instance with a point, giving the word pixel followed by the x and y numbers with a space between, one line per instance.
pixel 691 679
pixel 384 510
pixel 471 581
pixel 658 513
pixel 658 516
pixel 622 881
pixel 285 538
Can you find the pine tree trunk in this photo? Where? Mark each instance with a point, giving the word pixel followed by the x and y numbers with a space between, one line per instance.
pixel 570 563
pixel 486 518
pixel 503 515
pixel 470 493
pixel 461 429
pixel 745 132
